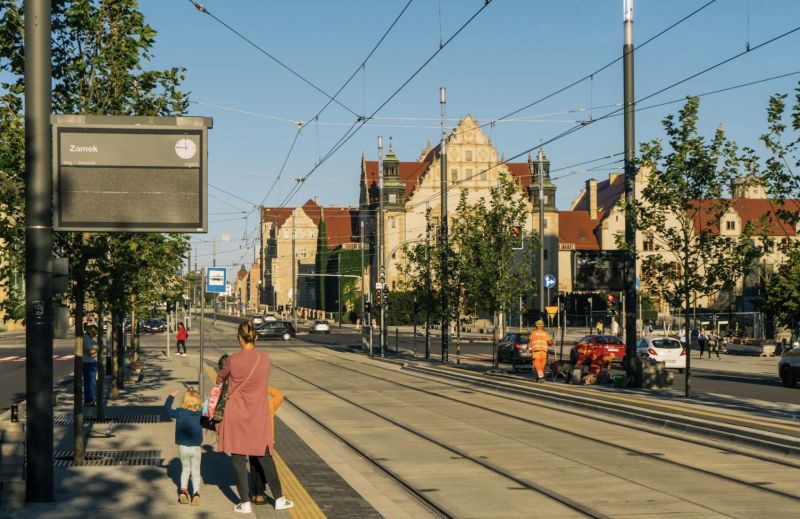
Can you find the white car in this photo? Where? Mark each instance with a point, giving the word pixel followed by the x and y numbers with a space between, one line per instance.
pixel 663 349
pixel 789 366
pixel 319 326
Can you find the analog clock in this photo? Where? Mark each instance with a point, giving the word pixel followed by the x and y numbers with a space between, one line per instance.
pixel 185 148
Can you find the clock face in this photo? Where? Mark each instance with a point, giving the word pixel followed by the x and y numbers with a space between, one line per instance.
pixel 185 148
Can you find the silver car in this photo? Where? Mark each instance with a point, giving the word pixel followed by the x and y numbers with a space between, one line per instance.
pixel 319 326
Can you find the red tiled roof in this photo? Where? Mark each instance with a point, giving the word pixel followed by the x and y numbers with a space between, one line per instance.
pixel 607 194
pixel 575 227
pixel 313 211
pixel 761 213
pixel 277 214
pixel 341 224
pixel 410 173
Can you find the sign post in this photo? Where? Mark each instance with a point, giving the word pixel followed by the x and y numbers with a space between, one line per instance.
pixel 214 281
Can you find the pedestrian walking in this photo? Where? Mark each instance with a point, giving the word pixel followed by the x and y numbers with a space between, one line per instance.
pixel 89 364
pixel 714 344
pixel 614 327
pixel 188 438
pixel 539 340
pixel 599 327
pixel 258 478
pixel 701 342
pixel 181 337
pixel 246 429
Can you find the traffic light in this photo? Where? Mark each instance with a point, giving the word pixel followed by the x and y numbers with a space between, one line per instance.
pixel 280 309
pixel 367 307
pixel 517 234
pixel 378 298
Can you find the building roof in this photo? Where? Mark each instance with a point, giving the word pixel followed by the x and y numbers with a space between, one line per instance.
pixel 277 214
pixel 763 214
pixel 410 173
pixel 608 192
pixel 341 225
pixel 577 228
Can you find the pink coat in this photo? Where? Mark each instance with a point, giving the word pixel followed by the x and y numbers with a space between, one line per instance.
pixel 246 428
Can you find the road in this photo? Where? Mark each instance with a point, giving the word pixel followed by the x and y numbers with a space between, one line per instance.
pixel 730 385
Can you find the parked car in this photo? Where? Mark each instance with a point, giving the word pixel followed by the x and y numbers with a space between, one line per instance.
pixel 609 344
pixel 139 324
pixel 663 349
pixel 276 330
pixel 319 326
pixel 154 325
pixel 257 319
pixel 789 366
pixel 514 349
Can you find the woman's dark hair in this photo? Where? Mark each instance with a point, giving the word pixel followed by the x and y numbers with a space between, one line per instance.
pixel 247 331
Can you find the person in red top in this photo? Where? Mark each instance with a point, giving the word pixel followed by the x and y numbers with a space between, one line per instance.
pixel 539 340
pixel 181 337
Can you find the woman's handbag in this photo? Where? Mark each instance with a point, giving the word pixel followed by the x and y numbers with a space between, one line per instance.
pixel 217 413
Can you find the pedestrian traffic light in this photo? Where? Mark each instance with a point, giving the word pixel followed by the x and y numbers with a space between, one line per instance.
pixel 280 309
pixel 367 307
pixel 516 231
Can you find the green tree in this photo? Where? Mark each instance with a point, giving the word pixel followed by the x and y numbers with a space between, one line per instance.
pixel 321 267
pixel 681 208
pixel 493 275
pixel 782 293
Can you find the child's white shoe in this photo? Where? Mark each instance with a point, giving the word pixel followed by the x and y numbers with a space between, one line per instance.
pixel 243 508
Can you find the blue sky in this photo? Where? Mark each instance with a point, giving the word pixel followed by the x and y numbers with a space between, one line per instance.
pixel 513 53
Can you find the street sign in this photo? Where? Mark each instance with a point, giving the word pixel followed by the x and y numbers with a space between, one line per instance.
pixel 551 311
pixel 378 285
pixel 549 281
pixel 216 279
pixel 129 173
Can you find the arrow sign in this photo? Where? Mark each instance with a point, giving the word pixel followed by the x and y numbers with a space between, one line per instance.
pixel 549 281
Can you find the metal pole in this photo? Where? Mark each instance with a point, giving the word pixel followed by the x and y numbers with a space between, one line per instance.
pixel 540 160
pixel 294 277
pixel 38 254
pixel 443 233
pixel 381 248
pixel 201 376
pixel 630 194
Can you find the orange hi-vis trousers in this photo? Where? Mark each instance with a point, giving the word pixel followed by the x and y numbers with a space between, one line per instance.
pixel 539 362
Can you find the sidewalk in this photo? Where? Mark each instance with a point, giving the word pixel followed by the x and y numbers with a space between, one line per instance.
pixel 147 486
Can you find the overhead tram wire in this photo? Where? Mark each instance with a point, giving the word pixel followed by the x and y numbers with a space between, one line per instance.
pixel 231 194
pixel 597 71
pixel 201 8
pixel 608 115
pixel 360 123
pixel 301 125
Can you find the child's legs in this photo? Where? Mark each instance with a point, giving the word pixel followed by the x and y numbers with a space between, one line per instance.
pixel 186 465
pixel 195 454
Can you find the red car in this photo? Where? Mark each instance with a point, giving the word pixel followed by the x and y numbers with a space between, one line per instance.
pixel 609 343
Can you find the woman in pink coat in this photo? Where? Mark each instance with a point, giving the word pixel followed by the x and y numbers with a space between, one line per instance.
pixel 246 429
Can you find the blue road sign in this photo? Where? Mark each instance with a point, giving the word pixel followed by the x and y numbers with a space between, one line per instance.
pixel 216 279
pixel 549 281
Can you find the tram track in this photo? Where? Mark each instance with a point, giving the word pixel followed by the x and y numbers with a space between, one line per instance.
pixel 627 450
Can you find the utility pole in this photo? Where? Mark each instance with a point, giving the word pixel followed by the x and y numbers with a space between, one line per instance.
pixel 443 233
pixel 201 373
pixel 38 254
pixel 540 281
pixel 262 287
pixel 381 247
pixel 294 263
pixel 630 194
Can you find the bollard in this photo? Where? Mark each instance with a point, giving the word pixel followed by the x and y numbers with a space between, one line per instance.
pixel 396 341
pixel 12 465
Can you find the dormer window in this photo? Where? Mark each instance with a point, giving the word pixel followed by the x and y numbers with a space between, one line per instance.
pixel 730 225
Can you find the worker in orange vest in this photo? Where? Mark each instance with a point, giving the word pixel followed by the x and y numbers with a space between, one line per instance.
pixel 538 341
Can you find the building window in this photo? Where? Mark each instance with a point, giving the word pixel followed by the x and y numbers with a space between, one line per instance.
pixel 545 223
pixel 311 233
pixel 730 225
pixel 545 254
pixel 303 252
pixel 468 156
pixel 392 222
pixel 454 175
pixel 483 175
pixel 286 234
pixel 393 285
pixel 649 243
pixel 392 198
pixel 302 234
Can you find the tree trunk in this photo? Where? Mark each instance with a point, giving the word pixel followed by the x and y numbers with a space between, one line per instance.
pixel 121 346
pixel 116 325
pixel 458 338
pixel 687 331
pixel 77 379
pixel 134 337
pixel 101 357
pixel 494 339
